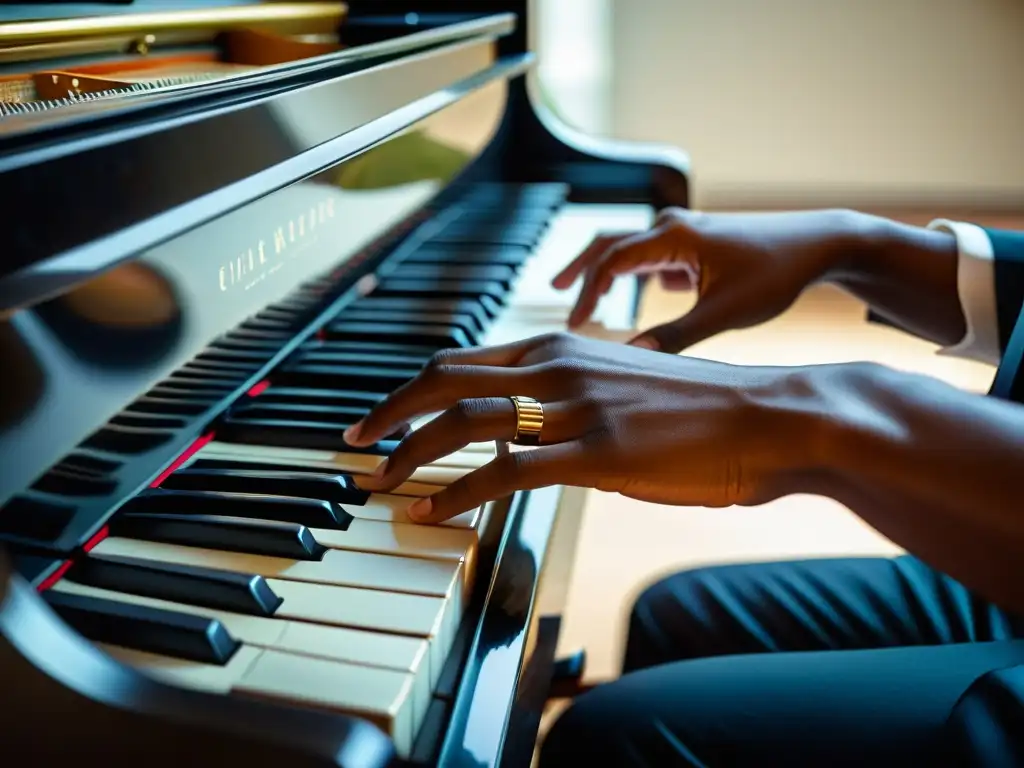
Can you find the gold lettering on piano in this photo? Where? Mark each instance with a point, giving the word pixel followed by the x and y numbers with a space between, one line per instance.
pixel 287 240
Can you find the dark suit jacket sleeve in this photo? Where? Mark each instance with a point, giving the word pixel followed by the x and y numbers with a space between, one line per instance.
pixel 1008 257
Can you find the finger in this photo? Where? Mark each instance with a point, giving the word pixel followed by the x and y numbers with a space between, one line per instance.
pixel 498 355
pixel 626 256
pixel 559 464
pixel 591 253
pixel 438 388
pixel 469 421
pixel 714 313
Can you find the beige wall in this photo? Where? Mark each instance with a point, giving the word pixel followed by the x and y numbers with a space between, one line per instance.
pixel 869 101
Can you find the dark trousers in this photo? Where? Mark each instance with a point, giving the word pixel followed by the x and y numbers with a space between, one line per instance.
pixel 857 661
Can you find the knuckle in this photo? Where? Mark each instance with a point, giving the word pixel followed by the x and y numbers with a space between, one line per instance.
pixel 517 464
pixel 443 358
pixel 465 412
pixel 406 450
pixel 559 341
pixel 672 213
pixel 435 372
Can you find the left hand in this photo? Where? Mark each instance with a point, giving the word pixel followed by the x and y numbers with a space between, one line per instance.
pixel 656 427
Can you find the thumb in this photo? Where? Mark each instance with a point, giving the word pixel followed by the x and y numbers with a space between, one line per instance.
pixel 711 315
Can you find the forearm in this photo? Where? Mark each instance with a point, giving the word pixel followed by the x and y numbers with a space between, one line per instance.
pixel 907 274
pixel 933 468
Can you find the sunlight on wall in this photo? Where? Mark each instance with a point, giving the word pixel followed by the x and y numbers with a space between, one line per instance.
pixel 573 39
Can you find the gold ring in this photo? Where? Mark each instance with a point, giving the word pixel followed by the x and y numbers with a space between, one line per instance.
pixel 529 420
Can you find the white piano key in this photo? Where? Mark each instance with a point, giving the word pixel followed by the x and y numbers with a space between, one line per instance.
pixel 427 541
pixel 371 649
pixel 410 489
pixel 536 307
pixel 412 615
pixel 392 508
pixel 382 696
pixel 346 568
pixel 455 465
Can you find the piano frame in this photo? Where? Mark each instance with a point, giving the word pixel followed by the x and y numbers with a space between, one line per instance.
pixel 50 667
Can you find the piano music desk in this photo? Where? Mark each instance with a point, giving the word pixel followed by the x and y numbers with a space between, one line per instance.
pixel 646 541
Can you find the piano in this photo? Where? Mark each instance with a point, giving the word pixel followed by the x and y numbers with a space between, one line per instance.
pixel 231 227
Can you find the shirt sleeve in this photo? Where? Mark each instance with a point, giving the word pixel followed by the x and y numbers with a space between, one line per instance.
pixel 977 291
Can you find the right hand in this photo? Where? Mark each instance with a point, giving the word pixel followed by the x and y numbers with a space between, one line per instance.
pixel 746 268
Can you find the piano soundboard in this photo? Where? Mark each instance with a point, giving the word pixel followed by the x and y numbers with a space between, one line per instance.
pixel 207 280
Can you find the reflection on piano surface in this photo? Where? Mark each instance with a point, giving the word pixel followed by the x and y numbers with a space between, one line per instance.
pixel 191 570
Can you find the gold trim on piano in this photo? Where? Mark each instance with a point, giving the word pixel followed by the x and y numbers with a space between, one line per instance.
pixel 112 44
pixel 281 17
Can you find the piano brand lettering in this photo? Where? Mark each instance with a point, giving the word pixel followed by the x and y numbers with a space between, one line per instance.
pixel 286 241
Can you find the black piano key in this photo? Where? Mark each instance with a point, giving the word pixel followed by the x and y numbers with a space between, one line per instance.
pixel 316 416
pixel 204 364
pixel 440 336
pixel 438 288
pixel 496 194
pixel 535 216
pixel 510 256
pixel 318 436
pixel 470 230
pixel 221 590
pixel 339 355
pixel 370 379
pixel 525 237
pixel 387 317
pixel 184 406
pixel 218 354
pixel 129 440
pixel 265 467
pixel 411 306
pixel 253 537
pixel 303 396
pixel 448 270
pixel 258 335
pixel 340 489
pixel 340 416
pixel 145 629
pixel 308 512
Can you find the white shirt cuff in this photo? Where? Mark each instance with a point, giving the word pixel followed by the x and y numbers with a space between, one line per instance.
pixel 976 286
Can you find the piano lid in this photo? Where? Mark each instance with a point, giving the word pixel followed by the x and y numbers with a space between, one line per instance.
pixel 123 174
pixel 79 359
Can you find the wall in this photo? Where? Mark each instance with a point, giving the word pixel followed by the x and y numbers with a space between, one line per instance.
pixel 869 102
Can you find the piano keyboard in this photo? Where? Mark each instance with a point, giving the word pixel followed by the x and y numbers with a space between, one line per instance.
pixel 259 568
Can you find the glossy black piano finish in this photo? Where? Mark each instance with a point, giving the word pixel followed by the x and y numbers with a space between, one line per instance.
pixel 124 179
pixel 149 321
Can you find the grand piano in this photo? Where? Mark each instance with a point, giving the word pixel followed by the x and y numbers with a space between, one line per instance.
pixel 230 228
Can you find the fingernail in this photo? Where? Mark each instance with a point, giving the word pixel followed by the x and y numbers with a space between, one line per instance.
pixel 420 510
pixel 644 342
pixel 352 433
pixel 381 470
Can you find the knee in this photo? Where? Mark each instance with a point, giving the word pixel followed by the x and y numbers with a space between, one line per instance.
pixel 685 615
pixel 589 729
pixel 661 620
pixel 635 721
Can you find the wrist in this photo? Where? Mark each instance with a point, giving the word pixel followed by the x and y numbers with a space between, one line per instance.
pixel 831 419
pixel 859 245
pixel 866 246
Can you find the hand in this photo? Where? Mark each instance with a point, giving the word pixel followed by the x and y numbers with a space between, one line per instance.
pixel 661 428
pixel 746 268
